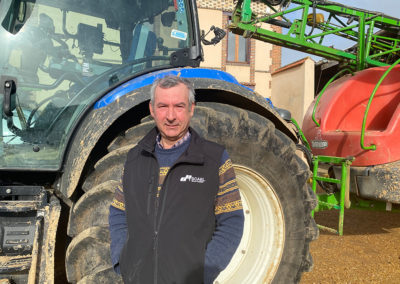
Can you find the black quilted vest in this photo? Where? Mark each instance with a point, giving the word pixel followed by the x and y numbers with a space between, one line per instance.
pixel 168 235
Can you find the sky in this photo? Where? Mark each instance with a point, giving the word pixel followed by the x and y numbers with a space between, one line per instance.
pixel 388 7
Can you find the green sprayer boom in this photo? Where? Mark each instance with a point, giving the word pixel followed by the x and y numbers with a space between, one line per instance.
pixel 375 36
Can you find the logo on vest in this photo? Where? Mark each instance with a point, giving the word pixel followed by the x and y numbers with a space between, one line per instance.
pixel 192 179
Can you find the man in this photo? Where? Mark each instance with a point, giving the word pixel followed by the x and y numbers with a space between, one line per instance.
pixel 177 216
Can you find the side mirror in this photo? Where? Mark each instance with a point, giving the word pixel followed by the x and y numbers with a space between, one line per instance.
pixel 15 17
pixel 21 12
pixel 219 34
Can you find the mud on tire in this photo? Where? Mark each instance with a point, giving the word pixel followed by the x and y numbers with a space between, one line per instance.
pixel 277 201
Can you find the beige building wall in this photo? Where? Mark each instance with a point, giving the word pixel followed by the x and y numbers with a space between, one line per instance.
pixel 257 73
pixel 263 64
pixel 293 87
pixel 212 53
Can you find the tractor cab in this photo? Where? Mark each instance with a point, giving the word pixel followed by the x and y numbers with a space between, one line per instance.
pixel 58 57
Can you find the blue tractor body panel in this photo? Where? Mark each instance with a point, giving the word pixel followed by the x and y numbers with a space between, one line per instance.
pixel 149 78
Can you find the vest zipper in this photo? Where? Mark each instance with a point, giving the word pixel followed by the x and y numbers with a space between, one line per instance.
pixel 155 238
pixel 164 191
pixel 155 248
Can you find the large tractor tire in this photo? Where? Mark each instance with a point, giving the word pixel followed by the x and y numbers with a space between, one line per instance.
pixel 272 179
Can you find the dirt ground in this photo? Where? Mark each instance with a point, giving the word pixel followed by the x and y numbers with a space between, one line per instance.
pixel 368 252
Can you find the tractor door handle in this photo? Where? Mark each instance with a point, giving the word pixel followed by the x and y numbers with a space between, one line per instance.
pixel 10 87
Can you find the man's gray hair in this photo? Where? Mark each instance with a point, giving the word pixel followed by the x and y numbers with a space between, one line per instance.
pixel 170 81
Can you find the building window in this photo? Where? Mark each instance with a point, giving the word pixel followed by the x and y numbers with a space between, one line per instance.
pixel 238 49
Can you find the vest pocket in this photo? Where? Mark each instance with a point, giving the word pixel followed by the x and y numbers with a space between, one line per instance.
pixel 129 272
pixel 123 257
pixel 134 271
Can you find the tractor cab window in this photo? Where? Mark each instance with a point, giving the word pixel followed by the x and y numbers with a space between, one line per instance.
pixel 64 55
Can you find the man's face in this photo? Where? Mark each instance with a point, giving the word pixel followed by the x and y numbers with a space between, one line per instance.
pixel 172 113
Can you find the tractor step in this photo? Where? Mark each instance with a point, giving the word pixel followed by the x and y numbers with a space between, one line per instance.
pixel 367 195
pixel 18 236
pixel 10 264
pixel 333 201
pixel 26 216
pixel 22 198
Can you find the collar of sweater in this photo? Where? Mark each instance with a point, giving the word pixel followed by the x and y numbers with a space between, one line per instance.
pixel 193 154
pixel 181 141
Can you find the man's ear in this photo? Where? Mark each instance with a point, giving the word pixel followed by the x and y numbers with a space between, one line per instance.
pixel 192 109
pixel 151 109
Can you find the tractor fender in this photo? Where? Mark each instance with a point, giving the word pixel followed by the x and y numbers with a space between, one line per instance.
pixel 126 105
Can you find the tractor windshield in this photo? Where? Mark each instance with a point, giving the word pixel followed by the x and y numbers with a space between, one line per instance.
pixel 59 56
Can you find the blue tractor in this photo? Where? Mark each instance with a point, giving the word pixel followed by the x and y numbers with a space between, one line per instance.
pixel 75 78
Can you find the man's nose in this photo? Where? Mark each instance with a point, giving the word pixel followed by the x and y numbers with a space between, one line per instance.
pixel 171 113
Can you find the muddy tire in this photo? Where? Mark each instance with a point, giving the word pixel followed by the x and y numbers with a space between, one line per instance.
pixel 277 201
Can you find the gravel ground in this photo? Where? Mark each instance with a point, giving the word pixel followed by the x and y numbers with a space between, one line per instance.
pixel 368 252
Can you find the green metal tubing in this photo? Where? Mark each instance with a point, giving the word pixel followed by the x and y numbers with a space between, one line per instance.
pixel 279 14
pixel 337 19
pixel 361 43
pixel 384 53
pixel 246 11
pixel 296 38
pixel 383 44
pixel 327 201
pixel 335 31
pixel 334 160
pixel 293 43
pixel 328 22
pixel 304 22
pixel 369 37
pixel 323 90
pixel 325 179
pixel 340 9
pixel 314 181
pixel 322 206
pixel 337 200
pixel 302 137
pixel 376 63
pixel 343 188
pixel 373 146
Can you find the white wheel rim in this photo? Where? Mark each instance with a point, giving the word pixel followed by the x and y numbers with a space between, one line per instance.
pixel 259 253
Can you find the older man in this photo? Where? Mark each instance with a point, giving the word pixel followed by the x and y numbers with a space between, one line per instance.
pixel 177 216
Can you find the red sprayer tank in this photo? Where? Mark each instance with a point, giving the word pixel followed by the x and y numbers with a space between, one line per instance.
pixel 340 114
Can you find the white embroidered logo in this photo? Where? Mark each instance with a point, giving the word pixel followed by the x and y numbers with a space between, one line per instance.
pixel 192 179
